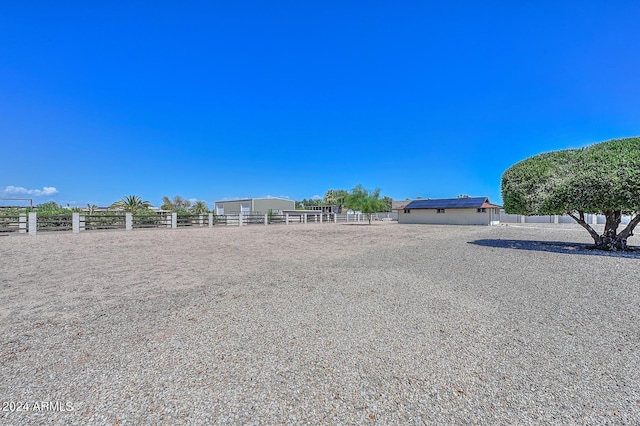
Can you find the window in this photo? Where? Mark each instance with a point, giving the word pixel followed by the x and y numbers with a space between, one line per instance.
pixel 482 210
pixel 440 211
pixel 407 211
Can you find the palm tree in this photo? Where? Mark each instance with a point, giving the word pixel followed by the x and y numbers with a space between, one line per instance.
pixel 200 207
pixel 131 204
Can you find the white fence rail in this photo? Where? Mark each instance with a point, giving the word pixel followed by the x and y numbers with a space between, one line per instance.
pixel 591 219
pixel 32 223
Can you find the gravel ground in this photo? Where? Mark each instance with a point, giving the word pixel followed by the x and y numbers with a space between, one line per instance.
pixel 309 324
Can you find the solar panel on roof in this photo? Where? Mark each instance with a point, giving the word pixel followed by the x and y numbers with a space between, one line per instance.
pixel 447 203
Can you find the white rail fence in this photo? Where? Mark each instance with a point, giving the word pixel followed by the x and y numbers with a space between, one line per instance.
pixel 591 219
pixel 32 223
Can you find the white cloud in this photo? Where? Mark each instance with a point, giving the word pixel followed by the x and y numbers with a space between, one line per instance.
pixel 19 190
pixel 316 197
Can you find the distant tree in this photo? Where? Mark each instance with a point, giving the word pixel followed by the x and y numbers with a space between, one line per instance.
pixel 368 202
pixel 166 203
pixel 330 196
pixel 51 208
pixel 178 204
pixel 336 197
pixel 463 196
pixel 131 204
pixel 388 204
pixel 199 207
pixel 306 203
pixel 48 207
pixel 599 179
pixel 13 211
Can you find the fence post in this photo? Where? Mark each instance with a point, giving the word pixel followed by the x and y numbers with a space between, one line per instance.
pixel 240 219
pixel 335 218
pixel 33 223
pixel 128 221
pixel 210 220
pixel 174 220
pixel 556 218
pixel 286 218
pixel 22 224
pixel 320 217
pixel 266 218
pixel 75 222
pixel 200 220
pixel 305 218
pixel 522 218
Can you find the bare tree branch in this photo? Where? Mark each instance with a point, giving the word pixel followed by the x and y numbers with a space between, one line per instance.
pixel 585 225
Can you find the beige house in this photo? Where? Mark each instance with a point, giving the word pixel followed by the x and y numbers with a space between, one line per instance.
pixel 450 211
pixel 253 205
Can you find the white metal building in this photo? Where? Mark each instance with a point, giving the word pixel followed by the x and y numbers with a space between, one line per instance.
pixel 253 205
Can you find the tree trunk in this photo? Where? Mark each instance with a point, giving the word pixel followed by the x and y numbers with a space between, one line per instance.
pixel 628 231
pixel 610 239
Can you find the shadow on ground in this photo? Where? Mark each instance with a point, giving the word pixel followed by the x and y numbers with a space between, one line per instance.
pixel 555 247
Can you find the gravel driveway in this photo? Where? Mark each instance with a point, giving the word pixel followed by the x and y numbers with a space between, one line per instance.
pixel 309 324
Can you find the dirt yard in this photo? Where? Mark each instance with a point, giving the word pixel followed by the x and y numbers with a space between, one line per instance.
pixel 319 323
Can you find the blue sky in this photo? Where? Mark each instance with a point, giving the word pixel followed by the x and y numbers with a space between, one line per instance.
pixel 215 100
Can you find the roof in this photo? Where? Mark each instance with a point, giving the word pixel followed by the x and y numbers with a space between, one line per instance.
pixel 235 200
pixel 487 204
pixel 451 203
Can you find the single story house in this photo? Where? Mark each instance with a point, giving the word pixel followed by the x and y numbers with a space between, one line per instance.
pixel 253 205
pixel 450 211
